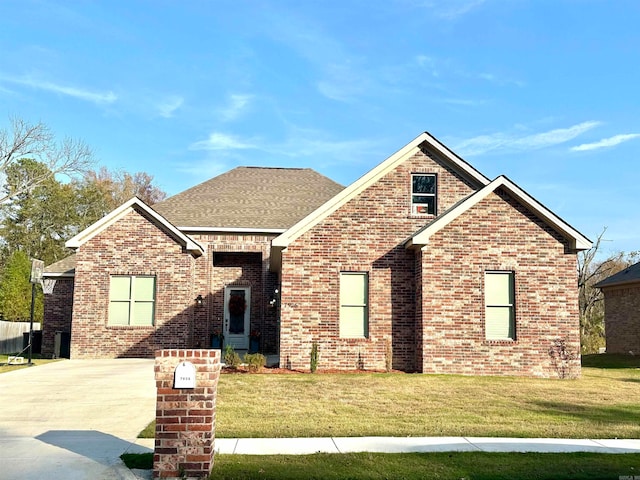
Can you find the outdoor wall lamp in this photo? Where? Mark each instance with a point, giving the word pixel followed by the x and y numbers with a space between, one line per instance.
pixel 199 300
pixel 274 299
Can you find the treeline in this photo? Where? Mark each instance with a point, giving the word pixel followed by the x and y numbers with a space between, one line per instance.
pixel 49 194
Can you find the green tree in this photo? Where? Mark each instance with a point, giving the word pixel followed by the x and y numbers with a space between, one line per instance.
pixel 15 290
pixel 38 221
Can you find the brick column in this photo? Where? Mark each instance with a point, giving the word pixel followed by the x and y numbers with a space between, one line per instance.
pixel 185 418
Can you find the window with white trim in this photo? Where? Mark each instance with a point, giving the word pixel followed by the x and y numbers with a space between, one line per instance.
pixel 499 305
pixel 423 194
pixel 132 300
pixel 354 305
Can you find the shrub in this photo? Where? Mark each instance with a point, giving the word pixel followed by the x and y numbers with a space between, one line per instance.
pixel 231 358
pixel 255 361
pixel 313 361
pixel 388 356
pixel 562 357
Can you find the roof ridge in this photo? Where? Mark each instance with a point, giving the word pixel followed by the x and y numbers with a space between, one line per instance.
pixel 258 167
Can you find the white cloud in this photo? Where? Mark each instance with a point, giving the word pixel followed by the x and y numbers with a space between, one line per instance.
pixel 606 142
pixel 510 142
pixel 451 9
pixel 428 63
pixel 203 169
pixel 236 106
pixel 458 9
pixel 500 80
pixel 331 151
pixel 80 93
pixel 462 102
pixel 169 106
pixel 221 141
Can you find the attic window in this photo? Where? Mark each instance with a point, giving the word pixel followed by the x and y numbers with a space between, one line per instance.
pixel 423 194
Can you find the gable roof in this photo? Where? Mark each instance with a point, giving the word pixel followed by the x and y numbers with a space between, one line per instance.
pixel 62 268
pixel 249 199
pixel 578 241
pixel 364 182
pixel 135 204
pixel 630 274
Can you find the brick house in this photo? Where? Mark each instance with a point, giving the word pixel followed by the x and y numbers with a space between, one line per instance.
pixel 423 264
pixel 622 310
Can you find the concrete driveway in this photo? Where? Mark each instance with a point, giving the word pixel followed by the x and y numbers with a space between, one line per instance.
pixel 73 419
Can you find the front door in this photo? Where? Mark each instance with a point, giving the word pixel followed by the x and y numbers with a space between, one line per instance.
pixel 237 302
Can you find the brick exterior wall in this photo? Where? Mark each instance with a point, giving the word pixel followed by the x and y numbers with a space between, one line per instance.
pixel 367 235
pixel 58 307
pixel 132 246
pixel 237 260
pixel 135 246
pixel 622 318
pixel 427 305
pixel 185 418
pixel 497 234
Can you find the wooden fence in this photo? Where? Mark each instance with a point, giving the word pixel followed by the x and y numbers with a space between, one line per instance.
pixel 11 335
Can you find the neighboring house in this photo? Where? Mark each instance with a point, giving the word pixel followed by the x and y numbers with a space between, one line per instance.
pixel 622 310
pixel 423 264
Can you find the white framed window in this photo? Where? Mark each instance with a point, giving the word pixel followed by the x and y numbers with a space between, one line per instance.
pixel 423 194
pixel 354 304
pixel 132 300
pixel 499 305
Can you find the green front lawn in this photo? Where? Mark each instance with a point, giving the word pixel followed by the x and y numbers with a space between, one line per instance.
pixel 603 403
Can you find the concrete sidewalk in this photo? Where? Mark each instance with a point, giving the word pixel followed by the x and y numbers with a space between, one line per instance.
pixel 306 446
pixel 301 446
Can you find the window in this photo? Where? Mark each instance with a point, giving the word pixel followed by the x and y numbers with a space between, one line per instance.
pixel 354 296
pixel 131 300
pixel 423 194
pixel 499 310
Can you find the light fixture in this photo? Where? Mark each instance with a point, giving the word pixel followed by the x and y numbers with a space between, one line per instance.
pixel 199 300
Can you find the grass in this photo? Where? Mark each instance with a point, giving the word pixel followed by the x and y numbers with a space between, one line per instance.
pixel 35 359
pixel 451 465
pixel 601 404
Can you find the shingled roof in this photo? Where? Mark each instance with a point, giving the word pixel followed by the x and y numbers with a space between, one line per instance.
pixel 628 275
pixel 254 198
pixel 62 268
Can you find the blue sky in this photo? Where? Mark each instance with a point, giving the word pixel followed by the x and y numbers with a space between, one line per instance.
pixel 545 92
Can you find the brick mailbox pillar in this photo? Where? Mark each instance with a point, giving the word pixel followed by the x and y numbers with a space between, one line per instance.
pixel 186 383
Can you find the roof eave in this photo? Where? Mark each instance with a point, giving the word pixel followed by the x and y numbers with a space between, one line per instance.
pixel 621 283
pixel 231 230
pixel 371 177
pixel 59 274
pixel 96 228
pixel 577 240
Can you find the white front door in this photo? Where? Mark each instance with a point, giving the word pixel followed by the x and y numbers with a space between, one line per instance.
pixel 237 306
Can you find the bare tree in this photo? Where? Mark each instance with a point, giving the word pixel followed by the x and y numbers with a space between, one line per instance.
pixel 36 141
pixel 591 271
